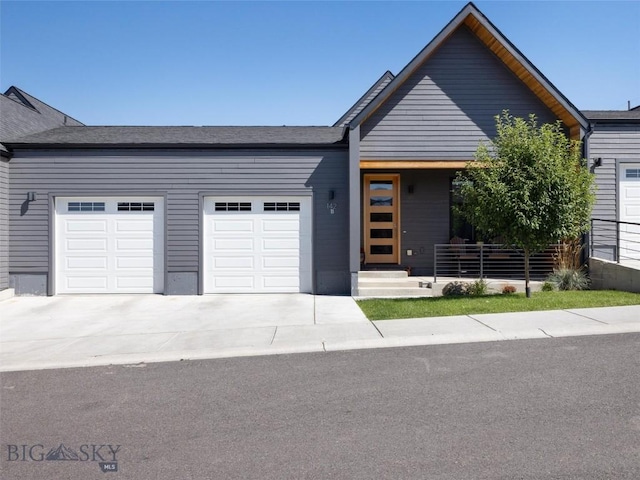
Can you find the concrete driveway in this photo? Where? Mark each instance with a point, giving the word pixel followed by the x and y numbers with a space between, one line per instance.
pixel 67 331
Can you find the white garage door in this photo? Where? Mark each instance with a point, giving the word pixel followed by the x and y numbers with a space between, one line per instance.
pixel 629 210
pixel 109 245
pixel 257 244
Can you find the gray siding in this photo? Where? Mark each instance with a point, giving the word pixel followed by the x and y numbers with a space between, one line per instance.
pixel 613 143
pixel 182 176
pixel 448 105
pixel 4 223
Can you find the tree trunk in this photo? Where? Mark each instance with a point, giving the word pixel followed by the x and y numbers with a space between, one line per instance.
pixel 527 288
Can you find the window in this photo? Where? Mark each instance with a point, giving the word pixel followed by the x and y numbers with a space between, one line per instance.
pixel 233 206
pixel 85 207
pixel 136 206
pixel 632 173
pixel 282 206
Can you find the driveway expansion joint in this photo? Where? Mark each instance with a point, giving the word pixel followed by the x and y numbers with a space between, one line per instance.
pixel 587 317
pixel 274 335
pixel 482 323
pixel 377 329
pixel 550 336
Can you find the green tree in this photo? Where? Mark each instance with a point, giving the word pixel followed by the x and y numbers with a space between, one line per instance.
pixel 529 187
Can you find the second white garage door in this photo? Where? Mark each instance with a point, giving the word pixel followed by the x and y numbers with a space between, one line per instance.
pixel 257 244
pixel 629 210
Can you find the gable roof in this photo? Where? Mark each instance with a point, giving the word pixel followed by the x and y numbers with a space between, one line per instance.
pixel 177 137
pixel 23 114
pixel 510 56
pixel 365 99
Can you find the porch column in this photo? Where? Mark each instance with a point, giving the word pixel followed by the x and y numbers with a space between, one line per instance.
pixel 354 207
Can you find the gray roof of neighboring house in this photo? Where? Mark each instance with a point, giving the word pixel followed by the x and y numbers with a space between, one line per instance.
pixel 22 114
pixel 183 136
pixel 613 115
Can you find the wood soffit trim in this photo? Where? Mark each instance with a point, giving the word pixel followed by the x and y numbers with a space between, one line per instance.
pixel 413 164
pixel 522 73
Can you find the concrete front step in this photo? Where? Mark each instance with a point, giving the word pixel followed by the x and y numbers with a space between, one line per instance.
pixel 383 274
pixel 393 292
pixel 389 283
pixel 406 282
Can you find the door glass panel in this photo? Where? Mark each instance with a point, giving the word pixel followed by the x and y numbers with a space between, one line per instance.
pixel 381 185
pixel 381 201
pixel 381 250
pixel 381 233
pixel 381 217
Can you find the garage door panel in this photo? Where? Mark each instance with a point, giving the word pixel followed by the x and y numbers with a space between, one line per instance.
pixel 280 281
pixel 87 284
pixel 632 211
pixel 227 225
pixel 135 225
pixel 134 283
pixel 232 244
pixel 237 282
pixel 86 263
pixel 258 249
pixel 143 245
pixel 110 249
pixel 281 226
pixel 281 262
pixel 86 245
pixel 88 226
pixel 232 263
pixel 134 262
pixel 270 244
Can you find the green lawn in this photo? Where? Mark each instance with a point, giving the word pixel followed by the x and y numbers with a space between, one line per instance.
pixel 384 309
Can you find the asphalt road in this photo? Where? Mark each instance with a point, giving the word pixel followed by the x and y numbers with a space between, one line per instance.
pixel 535 409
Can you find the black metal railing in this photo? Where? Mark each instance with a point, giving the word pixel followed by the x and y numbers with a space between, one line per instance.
pixel 614 240
pixel 490 261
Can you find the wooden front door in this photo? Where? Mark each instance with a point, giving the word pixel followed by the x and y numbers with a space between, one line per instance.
pixel 382 218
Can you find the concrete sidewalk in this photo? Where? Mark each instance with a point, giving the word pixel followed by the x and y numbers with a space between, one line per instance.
pixel 77 331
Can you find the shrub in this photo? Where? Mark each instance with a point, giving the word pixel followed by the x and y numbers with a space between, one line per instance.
pixel 569 279
pixel 567 254
pixel 455 289
pixel 548 286
pixel 508 289
pixel 478 288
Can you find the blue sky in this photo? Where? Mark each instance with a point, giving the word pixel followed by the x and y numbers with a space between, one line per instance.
pixel 277 63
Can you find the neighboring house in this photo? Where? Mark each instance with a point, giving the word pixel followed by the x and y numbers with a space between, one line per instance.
pixel 614 154
pixel 193 210
pixel 20 114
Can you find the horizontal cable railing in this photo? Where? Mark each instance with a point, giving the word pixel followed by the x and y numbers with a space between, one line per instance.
pixel 490 261
pixel 614 240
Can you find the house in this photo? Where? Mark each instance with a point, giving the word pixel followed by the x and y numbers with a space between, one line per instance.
pixel 196 210
pixel 614 154
pixel 20 114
